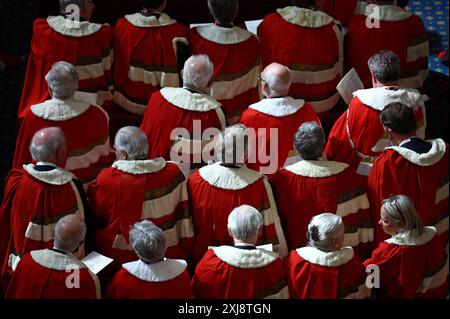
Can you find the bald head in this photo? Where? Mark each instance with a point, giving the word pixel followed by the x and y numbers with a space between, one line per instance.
pixel 278 80
pixel 197 72
pixel 49 145
pixel 69 233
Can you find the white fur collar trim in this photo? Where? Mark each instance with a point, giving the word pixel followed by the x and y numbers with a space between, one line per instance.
pixel 186 100
pixel 59 110
pixel 279 107
pixel 164 270
pixel 388 13
pixel 229 178
pixel 411 239
pixel 142 21
pixel 330 259
pixel 57 261
pixel 378 98
pixel 57 176
pixel 437 151
pixel 217 34
pixel 245 259
pixel 72 28
pixel 305 17
pixel 141 167
pixel 317 169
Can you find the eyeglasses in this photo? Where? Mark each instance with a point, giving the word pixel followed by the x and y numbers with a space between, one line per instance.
pixel 394 203
pixel 259 77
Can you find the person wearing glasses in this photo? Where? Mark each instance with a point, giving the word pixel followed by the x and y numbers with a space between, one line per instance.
pixel 413 262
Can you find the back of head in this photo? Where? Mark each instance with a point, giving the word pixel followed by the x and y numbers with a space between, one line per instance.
pixel 231 146
pixel 309 4
pixel 64 4
pixel 402 210
pixel 309 141
pixel 152 4
pixel 133 141
pixel 278 77
pixel 225 11
pixel 385 66
pixel 399 118
pixel 62 80
pixel 69 233
pixel 148 241
pixel 244 223
pixel 322 229
pixel 197 72
pixel 46 143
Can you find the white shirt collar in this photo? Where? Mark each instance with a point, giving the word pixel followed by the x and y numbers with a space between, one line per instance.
pixel 46 164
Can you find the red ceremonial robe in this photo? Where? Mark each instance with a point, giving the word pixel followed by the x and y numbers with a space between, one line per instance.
pixel 358 138
pixel 89 149
pixel 341 10
pixel 33 203
pixel 314 274
pixel 285 115
pixel 309 188
pixel 421 177
pixel 88 46
pixel 145 58
pixel 412 266
pixel 407 38
pixel 310 44
pixel 132 191
pixel 215 190
pixel 166 279
pixel 236 56
pixel 232 273
pixel 47 274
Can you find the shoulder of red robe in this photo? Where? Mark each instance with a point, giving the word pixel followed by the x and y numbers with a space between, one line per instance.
pixel 73 28
pixel 434 155
pixel 141 167
pixel 378 98
pixel 138 20
pixel 412 239
pixel 246 259
pixel 317 169
pixel 56 177
pixel 165 270
pixel 189 101
pixel 217 34
pixel 56 261
pixel 326 259
pixel 278 107
pixel 59 110
pixel 389 13
pixel 229 178
pixel 305 17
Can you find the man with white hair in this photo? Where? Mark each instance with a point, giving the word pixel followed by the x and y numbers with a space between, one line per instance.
pixel 216 189
pixel 86 126
pixel 36 197
pixel 136 189
pixel 242 271
pixel 279 112
pixel 235 54
pixel 56 273
pixel 70 37
pixel 187 112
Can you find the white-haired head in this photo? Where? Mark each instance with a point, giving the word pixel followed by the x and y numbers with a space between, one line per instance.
pixel 326 232
pixel 309 141
pixel 244 224
pixel 197 72
pixel 148 241
pixel 231 146
pixel 276 80
pixel 62 80
pixel 131 144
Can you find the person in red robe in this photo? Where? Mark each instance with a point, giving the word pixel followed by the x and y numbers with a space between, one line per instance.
pixel 235 54
pixel 358 138
pixel 340 10
pixel 86 126
pixel 27 222
pixel 242 271
pixel 325 269
pixel 413 167
pixel 152 276
pixel 56 273
pixel 413 262
pixel 136 189
pixel 313 186
pixel 72 38
pixel 184 115
pixel 215 190
pixel 275 120
pixel 385 26
pixel 310 43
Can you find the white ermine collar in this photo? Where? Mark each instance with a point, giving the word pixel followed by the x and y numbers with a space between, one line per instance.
pixel 56 261
pixel 165 270
pixel 57 176
pixel 388 13
pixel 378 98
pixel 229 178
pixel 186 100
pixel 434 155
pixel 305 17
pixel 221 35
pixel 317 169
pixel 60 110
pixel 240 258
pixel 411 239
pixel 72 28
pixel 279 107
pixel 140 167
pixel 142 21
pixel 331 259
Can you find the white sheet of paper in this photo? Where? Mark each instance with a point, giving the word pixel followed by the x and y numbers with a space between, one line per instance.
pixel 90 98
pixel 252 26
pixel 193 25
pixel 350 83
pixel 96 262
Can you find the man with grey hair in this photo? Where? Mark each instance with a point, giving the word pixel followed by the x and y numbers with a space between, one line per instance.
pixel 85 125
pixel 134 189
pixel 314 185
pixel 36 197
pixel 216 189
pixel 358 138
pixel 235 54
pixel 243 271
pixel 56 273
pixel 152 276
pixel 73 38
pixel 183 119
pixel 279 112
